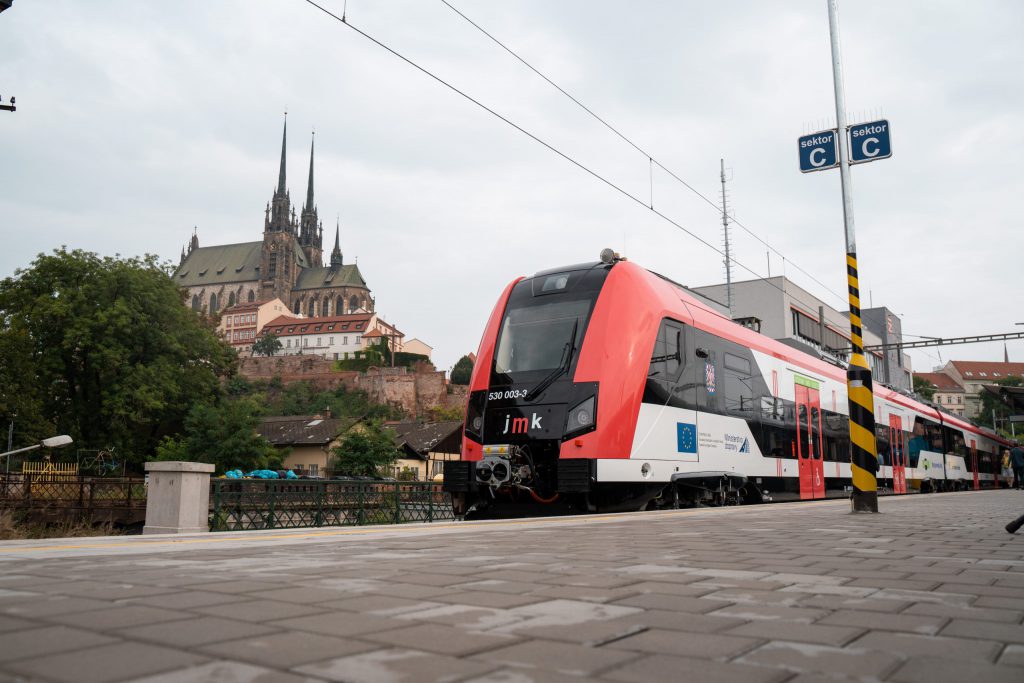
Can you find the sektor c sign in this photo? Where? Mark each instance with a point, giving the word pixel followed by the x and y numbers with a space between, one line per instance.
pixel 818 151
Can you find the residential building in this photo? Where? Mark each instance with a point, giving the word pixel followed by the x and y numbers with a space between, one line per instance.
pixel 240 324
pixel 310 439
pixel 782 310
pixel 286 264
pixel 948 393
pixel 333 337
pixel 426 446
pixel 973 375
pixel 416 346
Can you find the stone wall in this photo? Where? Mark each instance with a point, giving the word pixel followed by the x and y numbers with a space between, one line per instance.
pixel 299 368
pixel 415 392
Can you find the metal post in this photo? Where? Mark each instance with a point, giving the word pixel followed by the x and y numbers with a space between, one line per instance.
pixel 725 229
pixel 863 450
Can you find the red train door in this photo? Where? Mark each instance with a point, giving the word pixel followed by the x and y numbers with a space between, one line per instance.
pixel 808 443
pixel 974 463
pixel 899 454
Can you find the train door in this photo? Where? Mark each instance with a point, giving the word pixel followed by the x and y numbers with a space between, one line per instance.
pixel 808 443
pixel 899 454
pixel 974 464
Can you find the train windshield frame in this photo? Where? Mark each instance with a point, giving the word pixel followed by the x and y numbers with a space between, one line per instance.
pixel 544 323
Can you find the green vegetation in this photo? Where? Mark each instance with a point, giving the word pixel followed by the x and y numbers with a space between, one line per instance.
pixel 924 388
pixel 102 349
pixel 223 434
pixel 379 356
pixel 266 345
pixel 365 452
pixel 990 403
pixel 462 371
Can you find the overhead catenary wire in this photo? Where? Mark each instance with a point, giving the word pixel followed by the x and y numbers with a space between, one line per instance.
pixel 651 159
pixel 542 142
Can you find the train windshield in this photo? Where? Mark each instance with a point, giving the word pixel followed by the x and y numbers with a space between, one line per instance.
pixel 544 323
pixel 540 336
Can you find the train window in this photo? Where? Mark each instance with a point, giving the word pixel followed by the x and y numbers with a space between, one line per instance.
pixel 667 357
pixel 882 443
pixel 739 396
pixel 734 362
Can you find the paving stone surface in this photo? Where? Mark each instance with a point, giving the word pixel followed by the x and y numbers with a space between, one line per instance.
pixel 930 590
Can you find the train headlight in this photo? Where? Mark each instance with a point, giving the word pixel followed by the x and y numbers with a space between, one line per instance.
pixel 478 422
pixel 581 417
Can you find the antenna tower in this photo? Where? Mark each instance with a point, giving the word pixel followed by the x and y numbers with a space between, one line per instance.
pixel 725 242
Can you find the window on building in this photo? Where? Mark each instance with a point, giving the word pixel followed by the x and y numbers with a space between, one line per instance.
pixel 357 340
pixel 983 374
pixel 330 341
pixel 339 306
pixel 298 308
pixel 252 296
pixel 344 340
pixel 312 309
pixel 305 341
pixel 288 343
pixel 314 469
pixel 195 302
pixel 959 399
pixel 231 299
pixel 272 265
pixel 319 341
pixel 213 303
pixel 353 303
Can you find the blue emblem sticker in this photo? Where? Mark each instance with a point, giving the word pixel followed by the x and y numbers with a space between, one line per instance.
pixel 686 437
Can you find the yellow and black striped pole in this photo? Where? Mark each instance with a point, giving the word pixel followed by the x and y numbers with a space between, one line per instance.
pixel 863 452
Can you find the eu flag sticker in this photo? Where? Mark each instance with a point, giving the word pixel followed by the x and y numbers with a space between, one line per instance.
pixel 686 437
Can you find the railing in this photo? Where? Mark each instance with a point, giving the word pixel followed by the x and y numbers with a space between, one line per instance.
pixel 239 505
pixel 67 496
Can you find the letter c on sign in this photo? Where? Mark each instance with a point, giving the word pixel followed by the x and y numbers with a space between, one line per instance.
pixel 864 147
pixel 817 160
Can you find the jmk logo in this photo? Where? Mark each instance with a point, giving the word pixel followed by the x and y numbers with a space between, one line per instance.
pixel 521 425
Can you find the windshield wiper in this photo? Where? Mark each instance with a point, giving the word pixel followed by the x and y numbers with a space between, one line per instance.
pixel 563 366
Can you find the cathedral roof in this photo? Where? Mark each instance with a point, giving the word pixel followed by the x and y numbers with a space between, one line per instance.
pixel 225 264
pixel 330 276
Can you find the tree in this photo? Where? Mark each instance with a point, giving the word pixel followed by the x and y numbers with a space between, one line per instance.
pixel 992 404
pixel 462 372
pixel 924 388
pixel 267 345
pixel 103 349
pixel 365 452
pixel 223 435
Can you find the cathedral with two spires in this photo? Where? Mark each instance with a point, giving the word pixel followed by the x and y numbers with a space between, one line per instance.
pixel 287 264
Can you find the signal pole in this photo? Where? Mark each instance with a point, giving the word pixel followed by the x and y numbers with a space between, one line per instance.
pixel 863 450
pixel 725 232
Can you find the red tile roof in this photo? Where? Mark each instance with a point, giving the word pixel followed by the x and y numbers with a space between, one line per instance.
pixel 988 371
pixel 280 324
pixel 940 381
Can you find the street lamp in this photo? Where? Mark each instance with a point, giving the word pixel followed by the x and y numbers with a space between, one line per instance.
pixel 53 442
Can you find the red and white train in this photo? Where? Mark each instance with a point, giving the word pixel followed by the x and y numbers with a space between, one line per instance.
pixel 604 386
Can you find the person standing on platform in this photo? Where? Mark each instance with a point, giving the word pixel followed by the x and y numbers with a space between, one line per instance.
pixel 1017 462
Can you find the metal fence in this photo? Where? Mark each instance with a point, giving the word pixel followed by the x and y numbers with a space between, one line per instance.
pixel 238 505
pixel 75 498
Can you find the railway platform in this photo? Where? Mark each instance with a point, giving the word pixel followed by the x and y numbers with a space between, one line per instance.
pixel 931 589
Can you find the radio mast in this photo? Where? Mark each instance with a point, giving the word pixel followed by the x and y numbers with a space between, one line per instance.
pixel 725 243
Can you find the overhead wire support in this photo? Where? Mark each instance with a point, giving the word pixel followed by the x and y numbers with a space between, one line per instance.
pixel 651 160
pixel 530 135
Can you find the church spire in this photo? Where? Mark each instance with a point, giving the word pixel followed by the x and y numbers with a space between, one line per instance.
pixel 309 190
pixel 284 147
pixel 336 254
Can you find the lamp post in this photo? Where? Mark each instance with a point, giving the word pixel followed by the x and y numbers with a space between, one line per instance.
pixel 53 442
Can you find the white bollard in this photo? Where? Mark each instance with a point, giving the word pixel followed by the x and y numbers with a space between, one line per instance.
pixel 178 497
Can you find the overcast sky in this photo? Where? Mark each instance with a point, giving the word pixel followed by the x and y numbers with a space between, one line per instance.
pixel 138 120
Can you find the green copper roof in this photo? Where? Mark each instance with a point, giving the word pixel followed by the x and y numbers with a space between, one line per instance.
pixel 330 276
pixel 226 263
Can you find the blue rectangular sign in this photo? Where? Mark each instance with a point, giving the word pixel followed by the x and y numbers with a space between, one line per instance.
pixel 870 142
pixel 818 151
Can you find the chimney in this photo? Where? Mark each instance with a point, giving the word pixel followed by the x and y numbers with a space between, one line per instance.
pixel 327 413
